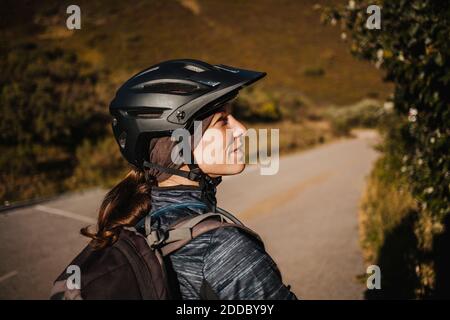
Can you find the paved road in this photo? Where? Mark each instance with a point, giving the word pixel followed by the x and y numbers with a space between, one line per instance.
pixel 306 214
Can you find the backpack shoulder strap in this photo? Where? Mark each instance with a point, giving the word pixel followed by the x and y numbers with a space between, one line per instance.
pixel 183 232
pixel 180 230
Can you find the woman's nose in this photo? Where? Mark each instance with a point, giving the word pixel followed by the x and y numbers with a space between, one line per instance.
pixel 238 128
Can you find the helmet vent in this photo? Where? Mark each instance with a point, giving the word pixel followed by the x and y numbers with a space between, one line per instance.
pixel 146 113
pixel 180 88
pixel 194 68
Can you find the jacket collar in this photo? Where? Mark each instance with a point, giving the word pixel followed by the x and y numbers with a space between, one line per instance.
pixel 168 204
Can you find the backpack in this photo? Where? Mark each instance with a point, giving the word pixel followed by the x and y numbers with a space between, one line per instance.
pixel 134 266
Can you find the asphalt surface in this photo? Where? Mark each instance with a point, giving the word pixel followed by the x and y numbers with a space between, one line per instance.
pixel 306 215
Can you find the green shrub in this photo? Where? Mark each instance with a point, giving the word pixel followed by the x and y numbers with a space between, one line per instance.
pixel 49 104
pixel 98 164
pixel 314 72
pixel 366 113
pixel 256 105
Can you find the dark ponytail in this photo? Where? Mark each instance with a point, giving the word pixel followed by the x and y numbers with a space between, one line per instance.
pixel 123 205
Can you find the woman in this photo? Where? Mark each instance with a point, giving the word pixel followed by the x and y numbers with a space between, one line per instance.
pixel 225 263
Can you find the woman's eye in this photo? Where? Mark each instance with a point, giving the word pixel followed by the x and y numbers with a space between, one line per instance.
pixel 223 121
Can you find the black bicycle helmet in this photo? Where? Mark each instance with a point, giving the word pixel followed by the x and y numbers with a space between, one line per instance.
pixel 168 96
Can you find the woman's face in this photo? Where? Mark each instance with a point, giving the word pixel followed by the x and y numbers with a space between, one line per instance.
pixel 221 148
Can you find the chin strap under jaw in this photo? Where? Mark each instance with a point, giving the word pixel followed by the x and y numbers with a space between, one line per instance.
pixel 206 183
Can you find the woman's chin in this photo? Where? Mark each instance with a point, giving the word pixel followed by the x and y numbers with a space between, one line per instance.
pixel 224 169
pixel 242 167
pixel 235 168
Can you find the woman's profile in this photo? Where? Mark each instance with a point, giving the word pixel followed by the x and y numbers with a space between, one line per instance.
pixel 166 185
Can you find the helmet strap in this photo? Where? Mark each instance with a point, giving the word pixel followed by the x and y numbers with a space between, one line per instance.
pixel 206 183
pixel 208 186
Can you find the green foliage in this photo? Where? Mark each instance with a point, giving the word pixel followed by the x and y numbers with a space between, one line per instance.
pixel 413 49
pixel 46 99
pixel 314 72
pixel 49 105
pixel 366 113
pixel 99 164
pixel 256 105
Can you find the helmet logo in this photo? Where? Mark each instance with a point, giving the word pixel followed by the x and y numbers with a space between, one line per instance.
pixel 181 115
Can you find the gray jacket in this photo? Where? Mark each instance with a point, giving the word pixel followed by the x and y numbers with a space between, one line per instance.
pixel 225 263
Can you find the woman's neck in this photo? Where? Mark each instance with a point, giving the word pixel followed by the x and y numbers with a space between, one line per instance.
pixel 175 180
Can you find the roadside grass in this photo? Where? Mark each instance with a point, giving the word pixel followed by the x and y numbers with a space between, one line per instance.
pixel 401 238
pixel 388 223
pixel 385 202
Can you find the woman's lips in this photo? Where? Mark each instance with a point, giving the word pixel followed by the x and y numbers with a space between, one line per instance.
pixel 238 149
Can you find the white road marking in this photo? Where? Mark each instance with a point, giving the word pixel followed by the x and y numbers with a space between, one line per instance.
pixel 64 213
pixel 8 275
